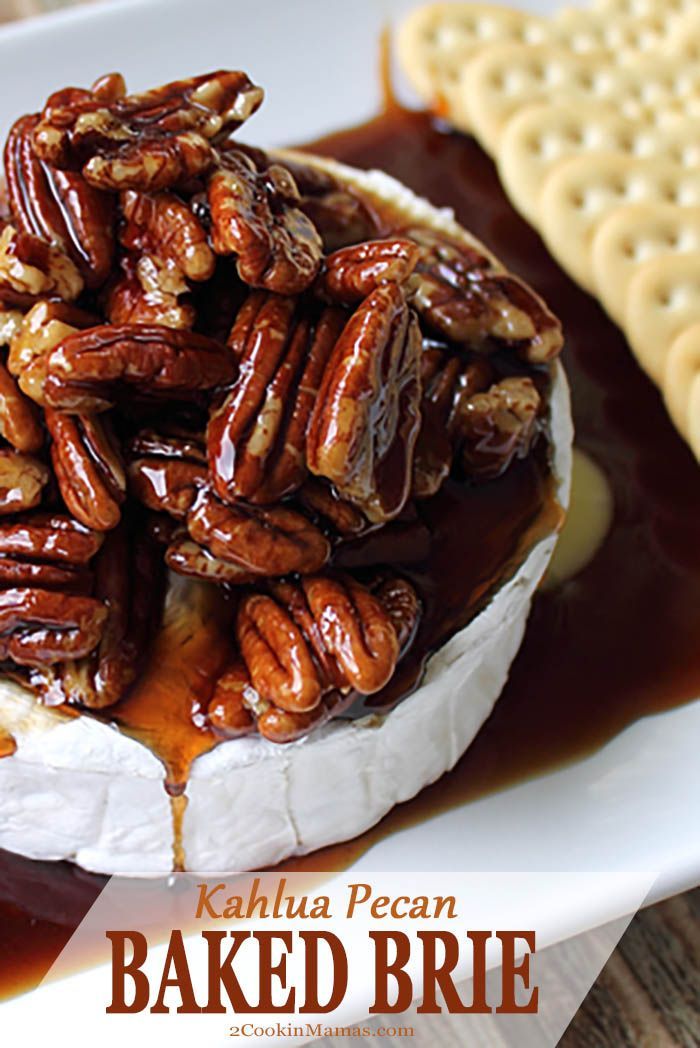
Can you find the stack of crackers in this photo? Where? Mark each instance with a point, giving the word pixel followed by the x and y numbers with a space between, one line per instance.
pixel 593 119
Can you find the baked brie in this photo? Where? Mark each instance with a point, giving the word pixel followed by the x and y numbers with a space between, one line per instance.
pixel 293 453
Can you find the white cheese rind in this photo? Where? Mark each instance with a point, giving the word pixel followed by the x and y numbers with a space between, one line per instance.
pixel 78 789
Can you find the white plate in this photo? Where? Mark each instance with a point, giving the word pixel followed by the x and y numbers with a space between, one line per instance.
pixel 634 804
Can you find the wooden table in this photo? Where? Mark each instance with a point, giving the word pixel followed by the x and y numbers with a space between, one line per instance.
pixel 648 995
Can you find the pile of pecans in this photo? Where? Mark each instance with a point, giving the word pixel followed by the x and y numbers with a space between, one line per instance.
pixel 228 366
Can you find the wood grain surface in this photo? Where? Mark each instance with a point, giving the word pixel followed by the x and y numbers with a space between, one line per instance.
pixel 648 994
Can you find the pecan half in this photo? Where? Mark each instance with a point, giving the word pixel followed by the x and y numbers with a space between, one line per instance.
pixel 498 426
pixel 277 654
pixel 109 87
pixel 320 498
pixel 40 627
pixel 136 297
pixel 19 419
pixel 271 541
pixel 161 224
pixel 85 369
pixel 448 381
pixel 227 713
pixel 22 481
pixel 255 216
pixel 31 269
pixel 185 557
pixel 10 324
pixel 43 328
pixel 281 726
pixel 69 578
pixel 88 467
pixel 51 538
pixel 401 603
pixel 167 471
pixel 460 294
pixel 365 422
pixel 256 439
pixel 129 582
pixel 154 140
pixel 323 634
pixel 59 206
pixel 353 273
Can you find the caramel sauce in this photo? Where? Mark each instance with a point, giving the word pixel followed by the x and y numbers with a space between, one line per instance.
pixel 178 806
pixel 189 654
pixel 604 648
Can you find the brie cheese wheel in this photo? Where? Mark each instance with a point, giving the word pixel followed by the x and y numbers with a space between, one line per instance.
pixel 76 788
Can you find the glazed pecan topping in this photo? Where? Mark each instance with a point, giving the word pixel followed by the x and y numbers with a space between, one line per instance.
pixel 256 439
pixel 283 369
pixel 59 207
pixel 324 634
pixel 353 273
pixel 498 426
pixel 364 425
pixel 22 481
pixel 88 467
pixel 85 369
pixel 255 216
pixel 155 140
pixel 461 295
pixel 274 541
pixel 31 269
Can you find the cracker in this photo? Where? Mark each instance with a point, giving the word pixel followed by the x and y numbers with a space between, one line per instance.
pixel 581 191
pixel 538 137
pixel 434 43
pixel 541 135
pixel 504 78
pixel 681 385
pixel 663 299
pixel 632 235
pixel 625 36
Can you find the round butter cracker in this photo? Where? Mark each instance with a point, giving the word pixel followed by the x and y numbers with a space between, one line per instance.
pixel 503 79
pixel 541 135
pixel 435 41
pixel 582 191
pixel 630 237
pixel 663 299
